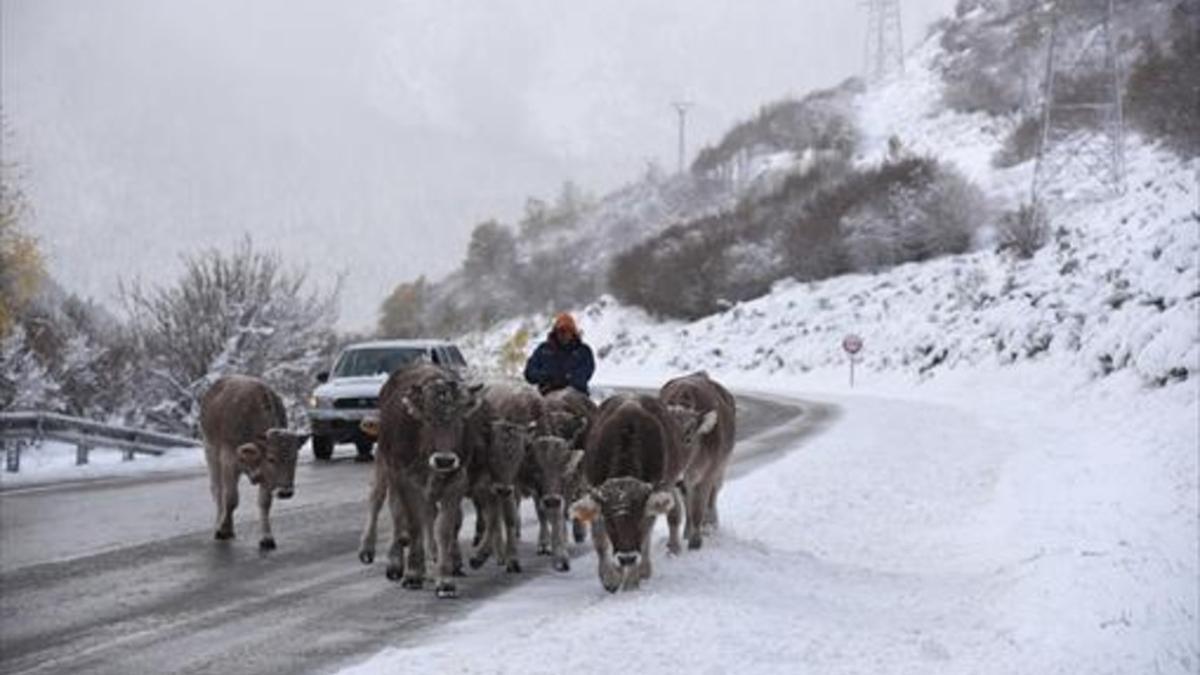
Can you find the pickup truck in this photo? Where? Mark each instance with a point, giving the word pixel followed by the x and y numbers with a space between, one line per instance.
pixel 350 391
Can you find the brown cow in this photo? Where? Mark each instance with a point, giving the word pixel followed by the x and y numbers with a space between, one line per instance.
pixel 709 447
pixel 429 428
pixel 244 425
pixel 633 459
pixel 516 414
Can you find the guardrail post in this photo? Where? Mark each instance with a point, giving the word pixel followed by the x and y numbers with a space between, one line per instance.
pixel 127 456
pixel 12 456
pixel 81 453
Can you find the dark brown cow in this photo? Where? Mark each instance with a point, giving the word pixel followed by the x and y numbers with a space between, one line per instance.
pixel 516 414
pixel 428 431
pixel 571 413
pixel 709 447
pixel 633 459
pixel 245 431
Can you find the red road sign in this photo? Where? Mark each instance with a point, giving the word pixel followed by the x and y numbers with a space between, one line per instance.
pixel 852 344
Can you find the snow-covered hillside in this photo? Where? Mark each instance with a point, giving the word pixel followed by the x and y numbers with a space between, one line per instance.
pixel 1011 486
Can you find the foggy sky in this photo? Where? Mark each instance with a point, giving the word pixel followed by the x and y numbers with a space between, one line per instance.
pixel 370 136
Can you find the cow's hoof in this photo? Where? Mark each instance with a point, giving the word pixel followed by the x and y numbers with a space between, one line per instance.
pixel 366 557
pixel 446 590
pixel 477 561
pixel 562 565
pixel 394 572
pixel 222 535
pixel 412 583
pixel 695 543
pixel 673 548
pixel 364 458
pixel 543 549
pixel 266 544
pixel 458 571
pixel 612 587
pixel 513 567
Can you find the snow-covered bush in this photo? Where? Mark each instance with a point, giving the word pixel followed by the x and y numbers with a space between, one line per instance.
pixel 235 312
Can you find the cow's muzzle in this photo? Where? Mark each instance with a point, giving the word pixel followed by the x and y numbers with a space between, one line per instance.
pixel 285 492
pixel 552 501
pixel 628 559
pixel 443 461
pixel 504 491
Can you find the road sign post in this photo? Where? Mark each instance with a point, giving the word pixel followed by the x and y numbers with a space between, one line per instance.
pixel 852 344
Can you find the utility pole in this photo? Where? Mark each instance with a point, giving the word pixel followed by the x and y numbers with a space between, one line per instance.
pixel 883 53
pixel 1082 150
pixel 682 107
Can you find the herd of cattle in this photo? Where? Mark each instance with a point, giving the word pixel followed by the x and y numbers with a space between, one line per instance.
pixel 616 466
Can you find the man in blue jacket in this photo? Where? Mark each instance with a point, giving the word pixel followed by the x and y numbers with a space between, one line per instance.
pixel 562 360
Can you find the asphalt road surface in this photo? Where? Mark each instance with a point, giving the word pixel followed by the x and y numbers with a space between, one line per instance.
pixel 123 576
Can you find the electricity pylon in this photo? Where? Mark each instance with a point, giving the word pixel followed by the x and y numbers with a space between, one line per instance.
pixel 682 107
pixel 883 53
pixel 1081 154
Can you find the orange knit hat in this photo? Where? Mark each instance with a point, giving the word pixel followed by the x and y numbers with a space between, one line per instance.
pixel 565 322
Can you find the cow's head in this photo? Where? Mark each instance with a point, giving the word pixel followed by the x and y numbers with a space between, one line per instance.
pixel 693 424
pixel 270 460
pixel 505 453
pixel 441 406
pixel 558 467
pixel 628 507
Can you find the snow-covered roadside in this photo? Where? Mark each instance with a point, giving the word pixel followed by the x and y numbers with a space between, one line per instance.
pixel 991 522
pixel 52 462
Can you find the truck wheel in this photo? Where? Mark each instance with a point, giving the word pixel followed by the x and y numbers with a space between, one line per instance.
pixel 364 449
pixel 322 447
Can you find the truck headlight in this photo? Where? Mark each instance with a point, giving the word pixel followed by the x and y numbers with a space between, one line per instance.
pixel 315 401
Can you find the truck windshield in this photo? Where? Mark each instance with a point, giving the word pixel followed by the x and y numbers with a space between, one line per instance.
pixel 367 362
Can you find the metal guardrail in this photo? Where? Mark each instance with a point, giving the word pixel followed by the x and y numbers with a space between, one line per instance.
pixel 19 430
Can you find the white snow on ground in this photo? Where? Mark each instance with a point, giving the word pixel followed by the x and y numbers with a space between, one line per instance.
pixel 925 531
pixel 1012 488
pixel 53 461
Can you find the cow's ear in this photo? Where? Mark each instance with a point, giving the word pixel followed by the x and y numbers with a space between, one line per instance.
pixel 573 461
pixel 585 509
pixel 659 502
pixel 249 454
pixel 707 423
pixel 285 439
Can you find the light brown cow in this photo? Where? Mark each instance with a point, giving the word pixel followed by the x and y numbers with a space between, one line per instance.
pixel 516 415
pixel 633 460
pixel 428 431
pixel 245 432
pixel 709 446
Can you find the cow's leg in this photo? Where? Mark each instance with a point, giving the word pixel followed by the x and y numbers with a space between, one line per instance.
pixel 402 517
pixel 644 568
pixel 674 518
pixel 697 499
pixel 544 540
pixel 711 521
pixel 558 539
pixel 610 578
pixel 229 499
pixel 456 555
pixel 445 526
pixel 267 541
pixel 578 531
pixel 375 498
pixel 414 567
pixel 480 522
pixel 509 507
pixel 483 514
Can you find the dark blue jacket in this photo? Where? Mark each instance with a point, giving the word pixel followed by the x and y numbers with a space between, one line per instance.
pixel 555 365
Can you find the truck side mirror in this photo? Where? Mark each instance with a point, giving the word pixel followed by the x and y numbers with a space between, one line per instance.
pixel 323 376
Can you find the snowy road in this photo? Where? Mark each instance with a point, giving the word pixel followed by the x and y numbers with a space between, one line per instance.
pixel 122 575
